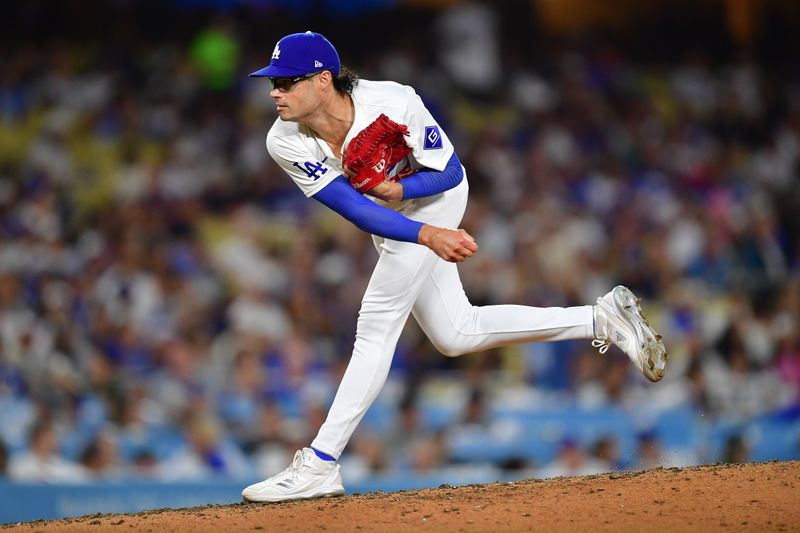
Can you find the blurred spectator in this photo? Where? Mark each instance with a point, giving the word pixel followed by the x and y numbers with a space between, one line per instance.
pixel 606 451
pixel 100 458
pixel 367 457
pixel 648 452
pixel 215 52
pixel 143 465
pixel 3 460
pixel 469 49
pixel 408 427
pixel 739 386
pixel 571 460
pixel 788 365
pixel 206 454
pixel 41 462
pixel 426 454
pixel 735 450
pixel 651 453
pixel 274 444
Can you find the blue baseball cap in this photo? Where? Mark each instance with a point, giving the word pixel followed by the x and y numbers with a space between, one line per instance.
pixel 300 53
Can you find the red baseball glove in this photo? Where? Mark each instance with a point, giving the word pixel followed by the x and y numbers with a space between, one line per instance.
pixel 373 151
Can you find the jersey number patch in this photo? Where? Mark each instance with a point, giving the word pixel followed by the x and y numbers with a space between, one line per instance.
pixel 313 170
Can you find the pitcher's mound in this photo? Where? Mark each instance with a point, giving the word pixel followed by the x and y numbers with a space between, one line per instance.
pixel 753 497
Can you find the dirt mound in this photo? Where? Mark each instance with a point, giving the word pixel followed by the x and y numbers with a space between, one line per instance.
pixel 755 497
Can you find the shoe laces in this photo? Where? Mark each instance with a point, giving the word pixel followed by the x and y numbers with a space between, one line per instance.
pixel 602 345
pixel 297 462
pixel 294 469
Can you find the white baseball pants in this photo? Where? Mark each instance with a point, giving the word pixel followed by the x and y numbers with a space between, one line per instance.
pixel 410 278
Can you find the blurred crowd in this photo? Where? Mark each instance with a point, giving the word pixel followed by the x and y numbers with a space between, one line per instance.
pixel 172 308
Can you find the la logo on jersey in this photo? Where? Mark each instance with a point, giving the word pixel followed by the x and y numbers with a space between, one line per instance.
pixel 276 54
pixel 433 138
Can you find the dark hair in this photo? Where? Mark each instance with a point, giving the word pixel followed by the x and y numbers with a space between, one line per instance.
pixel 346 81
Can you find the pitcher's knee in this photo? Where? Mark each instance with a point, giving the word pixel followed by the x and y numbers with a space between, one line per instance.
pixel 451 348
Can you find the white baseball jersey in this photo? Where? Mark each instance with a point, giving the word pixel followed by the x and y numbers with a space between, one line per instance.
pixel 310 161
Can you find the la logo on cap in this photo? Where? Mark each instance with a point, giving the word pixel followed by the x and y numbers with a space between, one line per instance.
pixel 298 54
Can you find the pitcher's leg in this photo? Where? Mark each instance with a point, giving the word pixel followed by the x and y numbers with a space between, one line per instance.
pixel 456 327
pixel 398 277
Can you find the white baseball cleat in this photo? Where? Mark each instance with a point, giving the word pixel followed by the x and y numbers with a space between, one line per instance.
pixel 307 477
pixel 618 319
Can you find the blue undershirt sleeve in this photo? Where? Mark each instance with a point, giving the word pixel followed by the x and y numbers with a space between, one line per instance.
pixel 430 182
pixel 368 216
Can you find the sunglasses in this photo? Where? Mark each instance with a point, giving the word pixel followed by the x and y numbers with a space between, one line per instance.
pixel 285 85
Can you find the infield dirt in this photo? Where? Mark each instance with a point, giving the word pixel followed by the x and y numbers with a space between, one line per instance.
pixel 751 497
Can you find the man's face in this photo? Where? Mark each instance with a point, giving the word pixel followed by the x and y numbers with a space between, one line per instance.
pixel 295 98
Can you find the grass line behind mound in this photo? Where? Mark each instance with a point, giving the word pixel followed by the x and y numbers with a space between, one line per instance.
pixel 750 497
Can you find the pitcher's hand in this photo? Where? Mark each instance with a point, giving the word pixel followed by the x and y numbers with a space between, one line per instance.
pixel 451 245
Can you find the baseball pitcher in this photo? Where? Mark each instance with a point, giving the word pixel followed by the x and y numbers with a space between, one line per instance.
pixel 372 152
